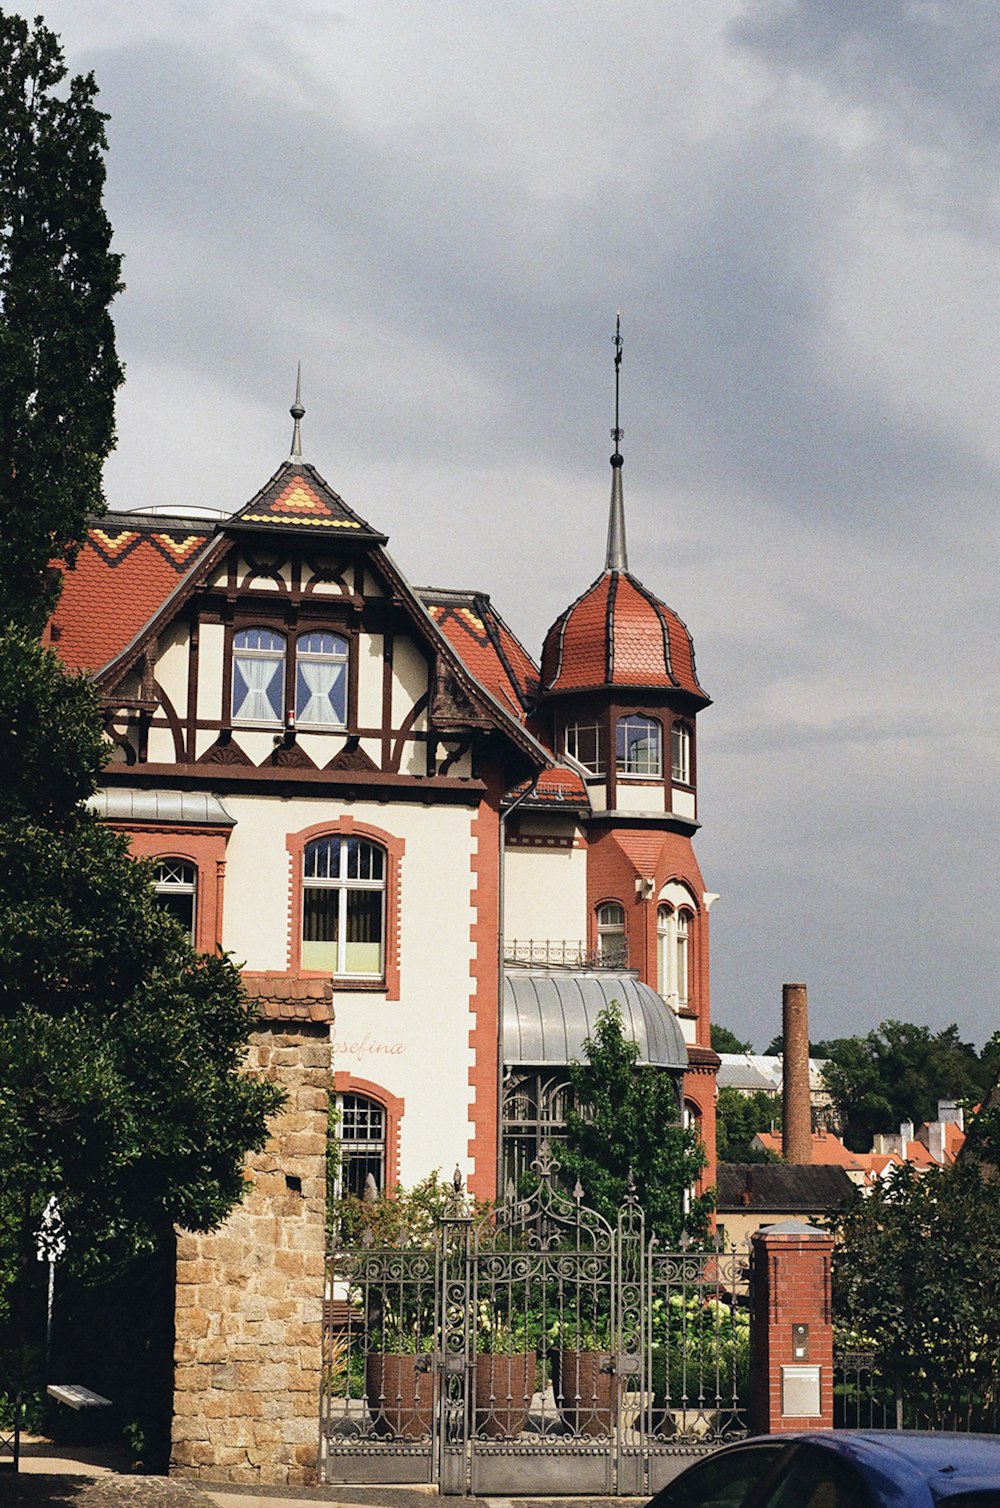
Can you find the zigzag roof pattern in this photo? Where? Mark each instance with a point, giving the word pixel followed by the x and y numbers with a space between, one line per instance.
pixel 298 498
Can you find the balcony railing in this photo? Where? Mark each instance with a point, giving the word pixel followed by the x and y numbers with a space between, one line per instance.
pixel 563 953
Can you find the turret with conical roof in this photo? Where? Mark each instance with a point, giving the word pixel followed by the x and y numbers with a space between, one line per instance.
pixel 619 694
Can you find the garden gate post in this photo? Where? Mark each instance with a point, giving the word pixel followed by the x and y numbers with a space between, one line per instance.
pixel 791 1328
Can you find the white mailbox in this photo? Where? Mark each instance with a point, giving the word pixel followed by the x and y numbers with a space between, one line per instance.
pixel 800 1392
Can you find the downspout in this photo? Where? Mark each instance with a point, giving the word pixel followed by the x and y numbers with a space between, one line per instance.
pixel 501 886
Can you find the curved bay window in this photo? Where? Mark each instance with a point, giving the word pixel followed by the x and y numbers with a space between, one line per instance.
pixel 612 950
pixel 673 934
pixel 680 753
pixel 638 749
pixel 534 1113
pixel 343 907
pixel 258 676
pixel 361 1144
pixel 321 680
pixel 175 888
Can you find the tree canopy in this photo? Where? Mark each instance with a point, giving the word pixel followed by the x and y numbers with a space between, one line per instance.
pixel 625 1126
pixel 723 1040
pixel 916 1275
pixel 738 1118
pixel 59 369
pixel 899 1072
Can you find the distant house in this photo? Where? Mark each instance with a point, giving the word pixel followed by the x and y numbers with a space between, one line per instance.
pixel 934 1143
pixel 750 1195
pixel 761 1073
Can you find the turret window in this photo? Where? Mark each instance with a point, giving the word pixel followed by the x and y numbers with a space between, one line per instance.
pixel 611 949
pixel 673 930
pixel 583 743
pixel 639 746
pixel 680 753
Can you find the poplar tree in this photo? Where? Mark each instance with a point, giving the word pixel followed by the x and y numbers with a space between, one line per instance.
pixel 59 369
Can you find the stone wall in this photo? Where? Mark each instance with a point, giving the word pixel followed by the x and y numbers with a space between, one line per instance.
pixel 248 1341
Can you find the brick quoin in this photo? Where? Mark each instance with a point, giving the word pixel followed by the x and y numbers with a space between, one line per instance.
pixel 791 1286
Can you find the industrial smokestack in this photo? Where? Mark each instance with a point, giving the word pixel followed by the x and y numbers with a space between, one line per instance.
pixel 797 1135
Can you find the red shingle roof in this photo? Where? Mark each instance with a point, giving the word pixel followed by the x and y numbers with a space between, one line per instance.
pixel 123 574
pixel 297 497
pixel 485 645
pixel 618 634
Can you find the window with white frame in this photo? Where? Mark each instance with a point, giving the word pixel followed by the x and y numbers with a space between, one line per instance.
pixel 638 746
pixel 611 948
pixel 258 676
pixel 361 1138
pixel 583 743
pixel 175 887
pixel 321 661
pixel 343 907
pixel 680 753
pixel 673 934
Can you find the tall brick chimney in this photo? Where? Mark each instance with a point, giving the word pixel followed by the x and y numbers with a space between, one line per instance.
pixel 797 1134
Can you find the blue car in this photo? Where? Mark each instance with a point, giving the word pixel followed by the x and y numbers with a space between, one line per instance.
pixel 843 1469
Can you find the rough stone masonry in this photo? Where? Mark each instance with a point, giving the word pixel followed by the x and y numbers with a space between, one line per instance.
pixel 248 1330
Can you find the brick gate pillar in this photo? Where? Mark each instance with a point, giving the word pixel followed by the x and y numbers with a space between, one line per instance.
pixel 791 1328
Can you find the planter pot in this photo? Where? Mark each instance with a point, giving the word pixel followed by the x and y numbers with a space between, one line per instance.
pixel 504 1385
pixel 586 1391
pixel 400 1393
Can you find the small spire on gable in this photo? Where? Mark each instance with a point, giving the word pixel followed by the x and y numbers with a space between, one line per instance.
pixel 617 553
pixel 297 412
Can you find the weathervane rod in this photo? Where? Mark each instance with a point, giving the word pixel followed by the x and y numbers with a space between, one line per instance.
pixel 616 558
pixel 617 433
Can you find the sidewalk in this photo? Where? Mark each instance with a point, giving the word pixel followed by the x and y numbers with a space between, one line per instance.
pixel 79 1476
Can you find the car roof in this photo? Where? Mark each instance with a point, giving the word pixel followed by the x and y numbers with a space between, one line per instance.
pixel 949 1463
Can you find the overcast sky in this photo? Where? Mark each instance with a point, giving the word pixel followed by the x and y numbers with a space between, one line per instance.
pixel 438 207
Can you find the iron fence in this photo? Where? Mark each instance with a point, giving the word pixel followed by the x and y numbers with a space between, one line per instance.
pixel 535 1349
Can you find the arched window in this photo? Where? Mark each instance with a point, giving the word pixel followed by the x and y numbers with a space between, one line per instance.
pixel 673 931
pixel 680 753
pixel 258 676
pixel 611 948
pixel 638 746
pixel 175 887
pixel 321 680
pixel 361 1139
pixel 343 906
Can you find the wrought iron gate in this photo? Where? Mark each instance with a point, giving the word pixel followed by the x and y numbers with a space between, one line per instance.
pixel 537 1349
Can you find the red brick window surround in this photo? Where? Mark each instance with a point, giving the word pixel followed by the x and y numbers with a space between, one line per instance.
pixel 202 852
pixel 377 884
pixel 392 1107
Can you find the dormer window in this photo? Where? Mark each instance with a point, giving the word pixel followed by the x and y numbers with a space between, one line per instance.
pixel 639 746
pixel 258 676
pixel 321 681
pixel 680 753
pixel 583 743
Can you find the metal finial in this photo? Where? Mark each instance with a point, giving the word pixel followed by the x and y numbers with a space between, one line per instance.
pixel 617 552
pixel 297 411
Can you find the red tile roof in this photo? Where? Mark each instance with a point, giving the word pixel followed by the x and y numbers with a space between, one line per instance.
pixel 485 645
pixel 618 634
pixel 125 571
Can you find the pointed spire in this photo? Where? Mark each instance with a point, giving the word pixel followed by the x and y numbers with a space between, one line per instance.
pixel 297 411
pixel 617 555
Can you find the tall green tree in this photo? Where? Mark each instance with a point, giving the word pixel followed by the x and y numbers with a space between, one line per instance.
pixel 898 1072
pixel 625 1126
pixel 724 1040
pixel 738 1118
pixel 59 369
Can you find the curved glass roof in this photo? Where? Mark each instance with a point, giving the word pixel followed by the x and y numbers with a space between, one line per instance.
pixel 547 1014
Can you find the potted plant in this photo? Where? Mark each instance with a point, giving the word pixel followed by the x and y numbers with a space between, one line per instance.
pixel 505 1373
pixel 399 1382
